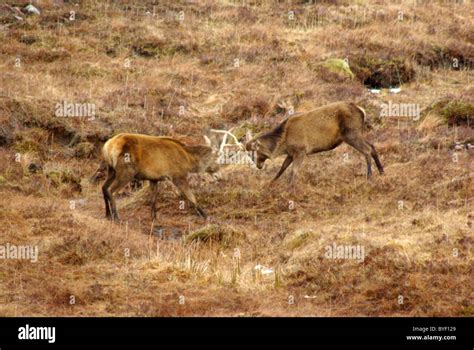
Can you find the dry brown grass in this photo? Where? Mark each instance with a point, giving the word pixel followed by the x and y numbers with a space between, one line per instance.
pixel 184 266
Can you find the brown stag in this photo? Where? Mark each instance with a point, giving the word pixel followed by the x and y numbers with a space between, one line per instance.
pixel 153 158
pixel 319 130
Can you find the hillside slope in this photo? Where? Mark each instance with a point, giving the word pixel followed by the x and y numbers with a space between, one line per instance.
pixel 182 68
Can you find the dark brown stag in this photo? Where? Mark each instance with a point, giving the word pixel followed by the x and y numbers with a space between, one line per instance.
pixel 319 130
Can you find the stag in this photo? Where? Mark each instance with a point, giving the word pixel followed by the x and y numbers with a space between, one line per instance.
pixel 319 130
pixel 153 158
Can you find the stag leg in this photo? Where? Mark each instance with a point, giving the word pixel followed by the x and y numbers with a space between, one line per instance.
pixel 106 192
pixel 376 158
pixel 183 186
pixel 363 147
pixel 154 192
pixel 122 178
pixel 298 158
pixel 285 165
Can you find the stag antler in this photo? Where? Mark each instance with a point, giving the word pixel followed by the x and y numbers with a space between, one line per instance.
pixel 225 144
pixel 224 140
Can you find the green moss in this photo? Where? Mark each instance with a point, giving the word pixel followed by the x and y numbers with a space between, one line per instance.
pixel 298 239
pixel 54 177
pixel 339 66
pixel 468 311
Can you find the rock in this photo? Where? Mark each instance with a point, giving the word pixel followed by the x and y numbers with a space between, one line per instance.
pixel 32 10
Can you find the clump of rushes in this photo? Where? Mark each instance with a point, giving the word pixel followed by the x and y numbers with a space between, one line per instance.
pixel 455 112
pixel 224 235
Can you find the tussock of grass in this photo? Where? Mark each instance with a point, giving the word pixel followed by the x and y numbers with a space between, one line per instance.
pixel 224 235
pixel 298 239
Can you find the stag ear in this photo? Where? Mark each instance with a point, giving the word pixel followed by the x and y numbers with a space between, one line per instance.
pixel 208 141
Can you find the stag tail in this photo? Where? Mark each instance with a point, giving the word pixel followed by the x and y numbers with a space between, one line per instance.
pixel 111 152
pixel 365 122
